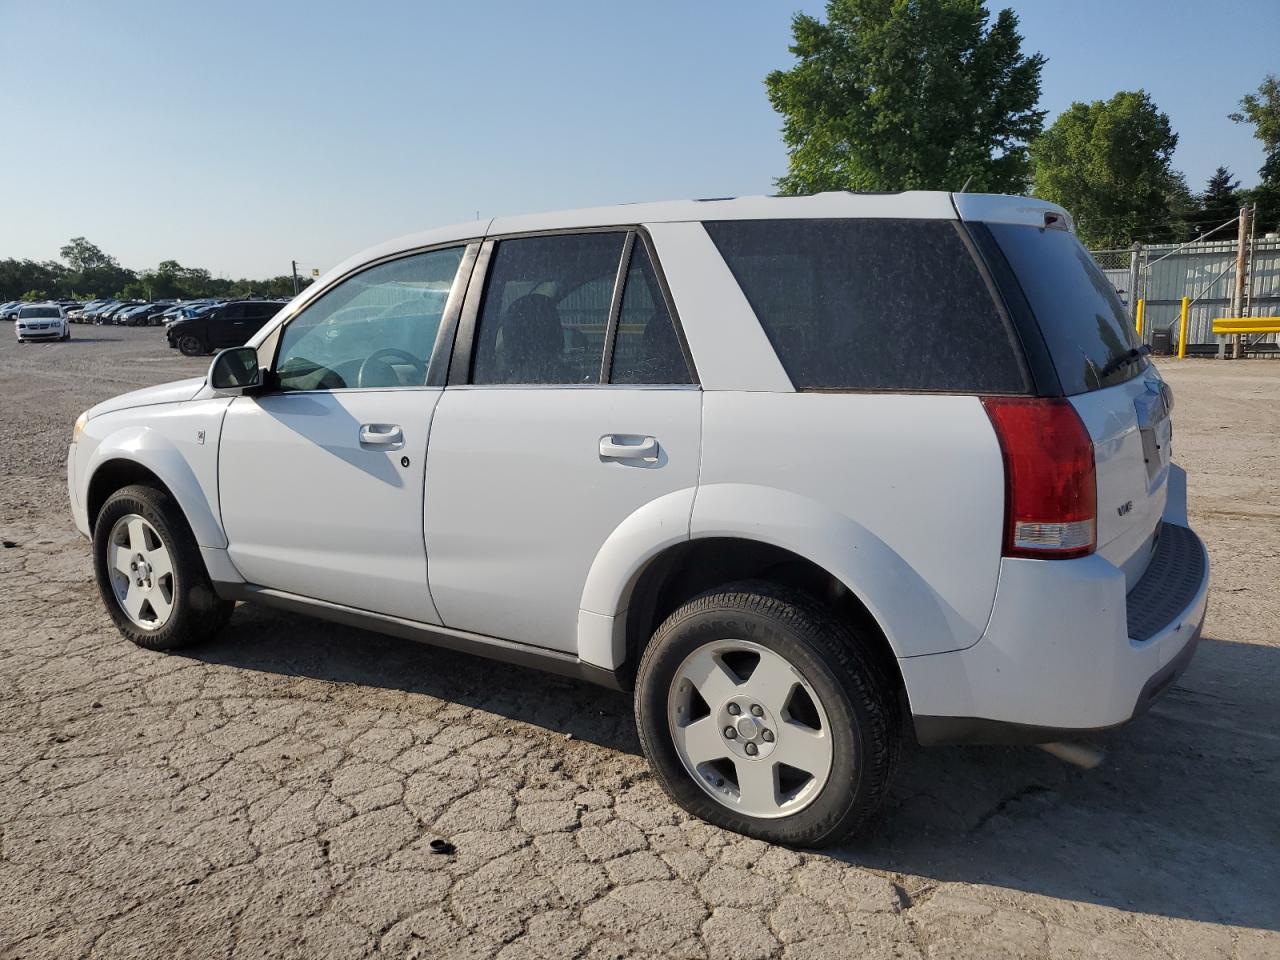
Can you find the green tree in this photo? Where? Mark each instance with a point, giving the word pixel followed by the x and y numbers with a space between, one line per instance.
pixel 1262 110
pixel 1110 164
pixel 81 255
pixel 1220 202
pixel 895 95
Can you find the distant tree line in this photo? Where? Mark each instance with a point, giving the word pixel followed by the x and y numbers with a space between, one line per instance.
pixel 935 95
pixel 85 272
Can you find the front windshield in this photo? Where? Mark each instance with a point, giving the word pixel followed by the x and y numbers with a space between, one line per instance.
pixel 37 313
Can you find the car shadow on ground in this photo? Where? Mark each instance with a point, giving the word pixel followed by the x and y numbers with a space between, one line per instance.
pixel 1179 819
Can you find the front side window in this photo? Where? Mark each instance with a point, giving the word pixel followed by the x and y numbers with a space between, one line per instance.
pixel 546 309
pixel 894 305
pixel 647 349
pixel 375 329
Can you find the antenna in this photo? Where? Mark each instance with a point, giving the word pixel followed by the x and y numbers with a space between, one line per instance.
pixel 968 180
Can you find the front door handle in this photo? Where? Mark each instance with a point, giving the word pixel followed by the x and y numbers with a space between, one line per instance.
pixel 382 435
pixel 628 446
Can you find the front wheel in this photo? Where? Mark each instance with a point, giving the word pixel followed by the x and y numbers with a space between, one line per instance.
pixel 150 573
pixel 761 713
pixel 191 346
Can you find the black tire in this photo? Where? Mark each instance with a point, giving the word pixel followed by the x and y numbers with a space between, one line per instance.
pixel 859 701
pixel 192 346
pixel 198 612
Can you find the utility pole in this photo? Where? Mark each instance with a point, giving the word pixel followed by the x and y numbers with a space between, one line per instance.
pixel 295 276
pixel 1135 278
pixel 1237 293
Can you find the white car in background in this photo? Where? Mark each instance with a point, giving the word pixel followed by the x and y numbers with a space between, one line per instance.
pixel 812 475
pixel 41 321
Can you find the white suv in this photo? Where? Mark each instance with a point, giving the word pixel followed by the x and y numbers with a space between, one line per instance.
pixel 811 474
pixel 41 321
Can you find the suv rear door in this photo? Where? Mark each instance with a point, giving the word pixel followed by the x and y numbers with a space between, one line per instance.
pixel 570 406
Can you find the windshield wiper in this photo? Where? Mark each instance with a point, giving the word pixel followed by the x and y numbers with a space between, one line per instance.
pixel 1129 356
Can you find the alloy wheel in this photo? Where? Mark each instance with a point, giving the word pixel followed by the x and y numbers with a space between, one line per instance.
pixel 749 729
pixel 141 572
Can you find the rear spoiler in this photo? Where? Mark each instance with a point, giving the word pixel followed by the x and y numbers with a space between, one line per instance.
pixel 1024 211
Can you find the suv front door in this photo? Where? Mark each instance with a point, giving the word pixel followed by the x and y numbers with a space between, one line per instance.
pixel 570 406
pixel 320 479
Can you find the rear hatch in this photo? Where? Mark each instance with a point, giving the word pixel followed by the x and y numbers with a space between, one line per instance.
pixel 1099 365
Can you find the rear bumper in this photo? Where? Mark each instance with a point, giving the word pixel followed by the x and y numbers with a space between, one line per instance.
pixel 1067 651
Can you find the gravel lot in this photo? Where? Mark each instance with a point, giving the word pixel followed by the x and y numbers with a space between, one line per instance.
pixel 274 793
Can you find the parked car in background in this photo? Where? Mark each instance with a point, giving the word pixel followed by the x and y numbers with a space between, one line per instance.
pixel 76 314
pixel 41 321
pixel 91 313
pixel 228 325
pixel 9 311
pixel 112 314
pixel 813 475
pixel 142 316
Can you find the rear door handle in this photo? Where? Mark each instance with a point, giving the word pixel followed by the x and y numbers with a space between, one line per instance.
pixel 628 446
pixel 381 435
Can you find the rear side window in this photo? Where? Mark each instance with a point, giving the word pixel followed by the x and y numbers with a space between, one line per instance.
pixel 873 304
pixel 1079 314
pixel 647 348
pixel 546 309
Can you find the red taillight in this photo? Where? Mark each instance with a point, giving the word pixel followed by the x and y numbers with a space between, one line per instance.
pixel 1051 496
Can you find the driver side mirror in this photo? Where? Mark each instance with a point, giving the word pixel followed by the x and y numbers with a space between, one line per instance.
pixel 234 372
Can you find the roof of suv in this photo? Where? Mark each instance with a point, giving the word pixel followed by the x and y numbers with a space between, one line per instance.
pixel 908 204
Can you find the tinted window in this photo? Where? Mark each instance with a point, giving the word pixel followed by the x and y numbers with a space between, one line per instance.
pixel 546 309
pixel 873 304
pixel 1083 321
pixel 27 313
pixel 646 349
pixel 376 329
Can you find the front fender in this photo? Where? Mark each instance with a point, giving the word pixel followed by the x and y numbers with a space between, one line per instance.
pixel 183 457
pixel 914 617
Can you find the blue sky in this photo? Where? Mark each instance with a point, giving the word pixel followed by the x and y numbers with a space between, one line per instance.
pixel 239 135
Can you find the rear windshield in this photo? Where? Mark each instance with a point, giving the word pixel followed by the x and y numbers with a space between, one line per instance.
pixel 873 304
pixel 28 313
pixel 1082 319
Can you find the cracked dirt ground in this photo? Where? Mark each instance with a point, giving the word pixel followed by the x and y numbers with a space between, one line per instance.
pixel 275 793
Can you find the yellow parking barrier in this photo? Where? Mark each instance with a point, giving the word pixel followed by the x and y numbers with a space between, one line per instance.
pixel 1137 325
pixel 1182 329
pixel 1224 326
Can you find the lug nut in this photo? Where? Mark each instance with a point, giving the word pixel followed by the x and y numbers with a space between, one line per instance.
pixel 133 565
pixel 752 749
pixel 734 709
pixel 730 732
pixel 767 736
pixel 756 710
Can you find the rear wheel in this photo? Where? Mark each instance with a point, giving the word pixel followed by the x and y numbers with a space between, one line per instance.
pixel 760 714
pixel 192 346
pixel 150 573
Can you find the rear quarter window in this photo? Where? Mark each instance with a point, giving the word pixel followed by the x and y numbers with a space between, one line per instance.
pixel 1083 322
pixel 892 305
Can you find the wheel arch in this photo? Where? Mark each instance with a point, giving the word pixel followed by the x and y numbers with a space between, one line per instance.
pixel 739 532
pixel 140 455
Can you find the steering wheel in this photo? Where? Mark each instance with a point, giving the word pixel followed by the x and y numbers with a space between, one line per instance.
pixel 376 372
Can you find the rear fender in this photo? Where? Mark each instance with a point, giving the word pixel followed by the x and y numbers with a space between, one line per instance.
pixel 914 618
